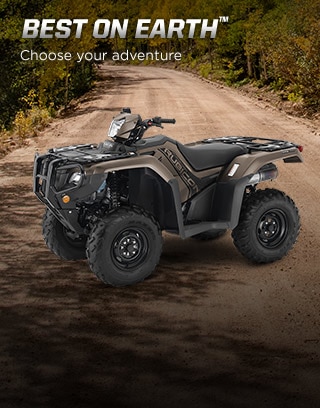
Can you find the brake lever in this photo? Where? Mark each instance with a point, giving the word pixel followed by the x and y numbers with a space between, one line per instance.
pixel 152 122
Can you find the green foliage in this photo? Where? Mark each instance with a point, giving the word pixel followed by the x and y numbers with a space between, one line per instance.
pixel 284 45
pixel 32 119
pixel 28 123
pixel 55 82
pixel 205 70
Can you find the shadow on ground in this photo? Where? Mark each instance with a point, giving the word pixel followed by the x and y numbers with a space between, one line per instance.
pixel 67 340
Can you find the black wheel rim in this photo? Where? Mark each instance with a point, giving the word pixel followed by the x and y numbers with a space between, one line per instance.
pixel 129 249
pixel 272 228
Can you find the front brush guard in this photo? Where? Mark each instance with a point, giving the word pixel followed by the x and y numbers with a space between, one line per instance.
pixel 43 187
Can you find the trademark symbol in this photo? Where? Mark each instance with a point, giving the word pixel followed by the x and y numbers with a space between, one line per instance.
pixel 224 19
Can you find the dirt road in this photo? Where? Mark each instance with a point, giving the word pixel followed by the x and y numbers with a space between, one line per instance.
pixel 208 329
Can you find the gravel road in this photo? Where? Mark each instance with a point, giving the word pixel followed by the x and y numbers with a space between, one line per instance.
pixel 208 328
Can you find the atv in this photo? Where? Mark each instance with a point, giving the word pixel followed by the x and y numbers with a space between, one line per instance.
pixel 110 202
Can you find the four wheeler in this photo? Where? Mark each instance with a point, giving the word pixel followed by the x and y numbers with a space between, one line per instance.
pixel 109 202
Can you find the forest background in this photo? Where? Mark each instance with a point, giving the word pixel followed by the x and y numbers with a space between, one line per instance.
pixel 273 44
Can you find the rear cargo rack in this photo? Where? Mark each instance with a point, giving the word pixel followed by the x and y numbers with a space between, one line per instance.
pixel 254 143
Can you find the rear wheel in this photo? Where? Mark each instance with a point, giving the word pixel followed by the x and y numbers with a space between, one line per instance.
pixel 124 248
pixel 61 241
pixel 268 227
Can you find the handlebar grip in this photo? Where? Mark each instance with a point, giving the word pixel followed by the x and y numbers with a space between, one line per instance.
pixel 168 121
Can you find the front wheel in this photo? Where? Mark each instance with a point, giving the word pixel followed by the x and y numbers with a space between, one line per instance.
pixel 268 227
pixel 124 248
pixel 61 241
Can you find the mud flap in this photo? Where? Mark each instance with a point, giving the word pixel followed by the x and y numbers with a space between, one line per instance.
pixel 226 207
pixel 228 199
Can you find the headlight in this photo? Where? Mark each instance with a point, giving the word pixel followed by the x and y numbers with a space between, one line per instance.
pixel 115 126
pixel 75 178
pixel 67 176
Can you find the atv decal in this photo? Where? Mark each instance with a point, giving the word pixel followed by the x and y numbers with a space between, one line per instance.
pixel 180 168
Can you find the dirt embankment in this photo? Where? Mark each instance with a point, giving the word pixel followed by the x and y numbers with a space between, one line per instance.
pixel 208 328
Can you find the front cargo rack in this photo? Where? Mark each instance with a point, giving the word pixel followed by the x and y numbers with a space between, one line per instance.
pixel 85 153
pixel 254 143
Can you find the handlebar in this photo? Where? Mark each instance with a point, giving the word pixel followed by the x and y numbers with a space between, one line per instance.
pixel 157 120
pixel 146 124
pixel 142 125
pixel 173 121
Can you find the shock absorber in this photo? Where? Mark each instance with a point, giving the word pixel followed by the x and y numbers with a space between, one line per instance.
pixel 114 194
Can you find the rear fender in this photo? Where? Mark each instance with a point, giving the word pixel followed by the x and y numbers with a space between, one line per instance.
pixel 251 163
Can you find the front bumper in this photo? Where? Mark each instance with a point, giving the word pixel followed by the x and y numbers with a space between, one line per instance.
pixel 50 174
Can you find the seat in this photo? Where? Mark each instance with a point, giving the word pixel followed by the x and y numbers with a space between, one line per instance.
pixel 209 155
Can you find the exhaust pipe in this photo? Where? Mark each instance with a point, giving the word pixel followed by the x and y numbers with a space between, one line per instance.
pixel 267 172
